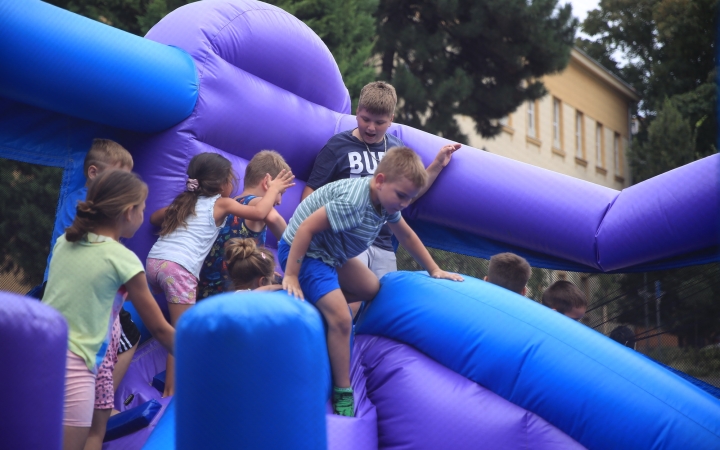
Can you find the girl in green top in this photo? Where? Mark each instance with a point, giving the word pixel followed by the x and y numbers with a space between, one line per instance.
pixel 88 267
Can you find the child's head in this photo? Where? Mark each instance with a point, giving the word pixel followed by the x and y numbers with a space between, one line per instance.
pixel 565 298
pixel 510 271
pixel 623 335
pixel 378 98
pixel 208 174
pixel 398 178
pixel 248 265
pixel 114 197
pixel 375 111
pixel 105 154
pixel 262 168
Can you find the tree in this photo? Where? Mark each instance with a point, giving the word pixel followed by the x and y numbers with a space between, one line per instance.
pixel 133 16
pixel 479 59
pixel 668 46
pixel 28 200
pixel 670 142
pixel 348 29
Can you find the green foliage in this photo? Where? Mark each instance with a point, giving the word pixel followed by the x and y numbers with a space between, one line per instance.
pixel 669 144
pixel 27 201
pixel 133 16
pixel 348 29
pixel 479 59
pixel 669 47
pixel 688 308
pixel 704 362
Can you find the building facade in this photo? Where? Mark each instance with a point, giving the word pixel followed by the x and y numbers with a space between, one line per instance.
pixel 581 128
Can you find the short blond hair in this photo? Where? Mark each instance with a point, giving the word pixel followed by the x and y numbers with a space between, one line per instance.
pixel 264 162
pixel 378 97
pixel 401 162
pixel 104 153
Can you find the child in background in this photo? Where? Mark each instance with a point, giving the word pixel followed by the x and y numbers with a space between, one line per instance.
pixel 250 267
pixel 624 335
pixel 189 227
pixel 510 271
pixel 566 298
pixel 259 172
pixel 88 267
pixel 329 229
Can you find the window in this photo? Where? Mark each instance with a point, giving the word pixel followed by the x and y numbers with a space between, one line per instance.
pixel 579 138
pixel 599 150
pixel 532 128
pixel 616 155
pixel 557 124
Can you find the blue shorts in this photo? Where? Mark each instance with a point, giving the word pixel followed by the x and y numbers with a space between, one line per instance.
pixel 316 278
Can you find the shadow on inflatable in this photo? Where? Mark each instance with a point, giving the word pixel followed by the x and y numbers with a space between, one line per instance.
pixel 435 364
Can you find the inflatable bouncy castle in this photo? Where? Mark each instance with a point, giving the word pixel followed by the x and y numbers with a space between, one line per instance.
pixel 435 364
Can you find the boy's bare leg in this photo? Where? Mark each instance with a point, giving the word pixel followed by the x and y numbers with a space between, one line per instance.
pixel 357 281
pixel 97 429
pixel 333 307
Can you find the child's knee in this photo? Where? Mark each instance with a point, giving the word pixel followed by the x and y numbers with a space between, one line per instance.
pixel 340 323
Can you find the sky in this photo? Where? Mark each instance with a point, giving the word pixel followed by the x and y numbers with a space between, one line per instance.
pixel 581 7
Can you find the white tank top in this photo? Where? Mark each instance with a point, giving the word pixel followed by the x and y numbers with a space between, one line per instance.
pixel 189 246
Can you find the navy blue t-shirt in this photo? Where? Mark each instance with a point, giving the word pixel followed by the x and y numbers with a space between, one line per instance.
pixel 345 156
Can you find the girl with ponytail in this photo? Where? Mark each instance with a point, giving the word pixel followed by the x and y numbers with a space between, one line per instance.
pixel 189 227
pixel 250 267
pixel 88 267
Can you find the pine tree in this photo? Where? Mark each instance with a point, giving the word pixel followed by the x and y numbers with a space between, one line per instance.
pixel 479 59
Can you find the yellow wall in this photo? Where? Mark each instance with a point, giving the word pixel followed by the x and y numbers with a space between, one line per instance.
pixel 578 89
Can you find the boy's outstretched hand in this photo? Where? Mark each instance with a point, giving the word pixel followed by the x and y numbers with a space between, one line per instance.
pixel 445 154
pixel 439 273
pixel 292 285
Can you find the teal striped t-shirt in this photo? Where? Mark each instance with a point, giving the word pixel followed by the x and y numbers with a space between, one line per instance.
pixel 354 222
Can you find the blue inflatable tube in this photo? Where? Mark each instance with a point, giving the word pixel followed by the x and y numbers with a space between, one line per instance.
pixel 600 393
pixel 63 62
pixel 252 373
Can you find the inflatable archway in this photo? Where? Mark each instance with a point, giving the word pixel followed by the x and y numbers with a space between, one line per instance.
pixel 235 77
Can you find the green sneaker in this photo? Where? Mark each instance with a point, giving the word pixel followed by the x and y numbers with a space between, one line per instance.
pixel 343 402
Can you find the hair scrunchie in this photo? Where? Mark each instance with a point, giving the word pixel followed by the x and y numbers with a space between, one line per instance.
pixel 192 184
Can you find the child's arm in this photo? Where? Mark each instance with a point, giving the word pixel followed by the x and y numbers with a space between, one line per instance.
pixel 433 170
pixel 260 210
pixel 411 242
pixel 149 311
pixel 315 223
pixel 276 223
pixel 158 216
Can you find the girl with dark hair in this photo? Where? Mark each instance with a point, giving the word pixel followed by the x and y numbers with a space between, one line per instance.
pixel 189 227
pixel 88 267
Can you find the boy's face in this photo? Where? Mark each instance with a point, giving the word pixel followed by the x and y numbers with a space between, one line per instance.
pixel 372 127
pixel 395 195
pixel 576 313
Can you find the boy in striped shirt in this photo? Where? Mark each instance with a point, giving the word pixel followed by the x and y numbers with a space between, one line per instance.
pixel 333 225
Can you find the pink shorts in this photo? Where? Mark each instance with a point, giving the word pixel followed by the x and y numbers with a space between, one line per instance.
pixel 174 280
pixel 104 392
pixel 79 392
